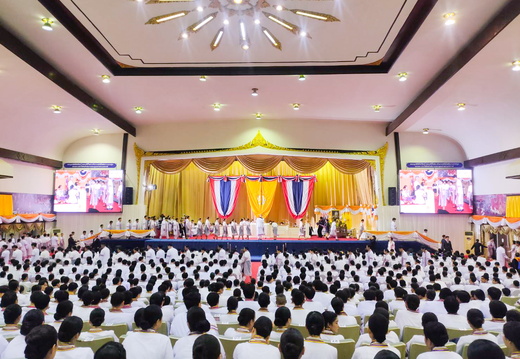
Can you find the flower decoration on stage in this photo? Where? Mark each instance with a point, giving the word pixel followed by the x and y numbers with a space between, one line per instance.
pixel 242 17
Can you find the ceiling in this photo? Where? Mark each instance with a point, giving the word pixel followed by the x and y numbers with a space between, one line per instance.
pixel 337 90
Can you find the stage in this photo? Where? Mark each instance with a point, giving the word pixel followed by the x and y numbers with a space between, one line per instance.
pixel 258 247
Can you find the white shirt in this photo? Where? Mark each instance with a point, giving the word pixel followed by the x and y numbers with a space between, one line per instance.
pixel 75 353
pixel 15 349
pixel 256 349
pixel 183 348
pixel 364 339
pixel 319 349
pixel 439 355
pixel 468 339
pixel 407 318
pixel 151 345
pixel 370 351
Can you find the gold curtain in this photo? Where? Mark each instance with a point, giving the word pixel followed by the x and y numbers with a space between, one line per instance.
pixel 171 166
pixel 349 167
pixel 6 204
pixel 261 196
pixel 513 206
pixel 188 192
pixel 259 164
pixel 213 165
pixel 305 165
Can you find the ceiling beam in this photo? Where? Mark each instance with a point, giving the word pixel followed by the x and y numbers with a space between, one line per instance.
pixel 499 22
pixel 25 53
pixel 496 157
pixel 25 157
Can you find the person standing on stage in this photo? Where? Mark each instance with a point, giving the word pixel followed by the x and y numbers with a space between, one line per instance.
pixel 326 227
pixel 301 228
pixel 393 225
pixel 188 227
pixel 479 248
pixel 234 231
pixel 176 229
pixel 491 248
pixel 217 229
pixel 207 228
pixel 248 228
pixel 275 229
pixel 224 229
pixel 119 224
pixel 502 256
pixel 260 227
pixel 334 229
pixel 321 225
pixel 241 228
pixel 361 228
pixel 164 228
pixel 200 228
pixel 245 261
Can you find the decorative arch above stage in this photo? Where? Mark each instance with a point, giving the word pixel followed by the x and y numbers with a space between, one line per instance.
pixel 360 170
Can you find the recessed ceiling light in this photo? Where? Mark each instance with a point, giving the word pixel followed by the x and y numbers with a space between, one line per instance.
pixel 56 108
pixel 245 46
pixel 303 33
pixel 217 106
pixel 105 79
pixel 377 108
pixel 295 106
pixel 516 65
pixel 279 7
pixel 203 78
pixel 257 21
pixel 258 116
pixel 138 109
pixel 449 18
pixel 237 1
pixel 461 106
pixel 200 9
pixel 302 78
pixel 184 35
pixel 403 76
pixel 47 24
pixel 96 131
pixel 425 131
pixel 226 22
pixel 255 91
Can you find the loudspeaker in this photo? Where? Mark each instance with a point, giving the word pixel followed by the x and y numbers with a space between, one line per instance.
pixel 392 196
pixel 128 197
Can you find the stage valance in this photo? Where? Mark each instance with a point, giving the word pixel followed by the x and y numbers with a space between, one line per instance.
pixel 511 222
pixel 367 210
pixel 400 236
pixel 28 218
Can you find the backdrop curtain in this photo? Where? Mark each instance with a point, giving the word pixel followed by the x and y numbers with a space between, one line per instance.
pixel 214 164
pixel 6 204
pixel 305 165
pixel 259 163
pixel 171 166
pixel 349 167
pixel 261 195
pixel 188 192
pixel 513 206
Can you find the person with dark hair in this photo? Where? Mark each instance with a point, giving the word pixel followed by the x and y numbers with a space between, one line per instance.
pixel 485 349
pixel 452 319
pixel 377 330
pixel 344 319
pixel 419 338
pixel 16 347
pixel 68 334
pixel 411 316
pixel 315 346
pixel 41 343
pixel 257 347
pixel 511 338
pixel 291 344
pixel 111 350
pixel 206 346
pixel 475 321
pixel 63 310
pixel 330 332
pixel 386 354
pixel 96 319
pixel 12 316
pixel 282 321
pixel 191 298
pixel 146 341
pixel 198 325
pixel 298 312
pixel 498 311
pixel 246 320
pixel 435 338
pixel 391 336
pixel 115 315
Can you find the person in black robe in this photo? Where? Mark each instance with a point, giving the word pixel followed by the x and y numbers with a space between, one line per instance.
pixel 478 247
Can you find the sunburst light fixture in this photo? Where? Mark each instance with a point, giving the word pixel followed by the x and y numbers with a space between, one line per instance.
pixel 251 15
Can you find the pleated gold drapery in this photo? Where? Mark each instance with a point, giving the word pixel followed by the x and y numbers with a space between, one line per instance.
pixel 188 192
pixel 513 206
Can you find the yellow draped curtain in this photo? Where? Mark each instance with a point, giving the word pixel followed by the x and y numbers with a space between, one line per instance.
pixel 188 192
pixel 513 206
pixel 6 204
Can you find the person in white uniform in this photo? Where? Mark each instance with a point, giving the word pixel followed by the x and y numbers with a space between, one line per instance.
pixel 315 347
pixel 393 225
pixel 501 255
pixel 435 338
pixel 291 344
pixel 41 343
pixel 16 347
pixel 246 262
pixel 146 342
pixel 475 320
pixel 377 330
pixel 330 332
pixel 246 320
pixel 260 227
pixel 68 334
pixel 258 346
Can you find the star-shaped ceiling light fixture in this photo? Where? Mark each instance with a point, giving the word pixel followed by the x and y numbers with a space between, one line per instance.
pixel 246 12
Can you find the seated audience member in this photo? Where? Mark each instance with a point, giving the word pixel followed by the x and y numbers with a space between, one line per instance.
pixel 282 321
pixel 232 315
pixel 391 336
pixel 386 354
pixel 12 316
pixel 377 330
pixel 485 349
pixel 409 317
pixel 68 334
pixel 97 317
pixel 512 338
pixel 343 318
pixel 198 325
pixel 435 338
pixel 63 310
pixel 291 344
pixel 419 338
pixel 246 320
pixel 298 312
pixel 257 347
pixel 475 321
pixel 115 314
pixel 41 343
pixel 498 311
pixel 15 349
pixel 330 332
pixel 315 346
pixel 146 341
pixel 111 350
pixel 206 346
pixel 452 320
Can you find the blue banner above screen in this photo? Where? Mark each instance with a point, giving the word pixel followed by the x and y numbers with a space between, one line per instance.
pixel 445 191
pixel 88 191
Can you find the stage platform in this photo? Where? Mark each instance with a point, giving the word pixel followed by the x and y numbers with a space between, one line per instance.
pixel 258 247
